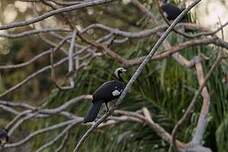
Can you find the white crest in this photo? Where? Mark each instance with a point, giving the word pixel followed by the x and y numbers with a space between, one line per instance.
pixel 121 70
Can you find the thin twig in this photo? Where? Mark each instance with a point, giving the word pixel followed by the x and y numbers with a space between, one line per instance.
pixel 54 12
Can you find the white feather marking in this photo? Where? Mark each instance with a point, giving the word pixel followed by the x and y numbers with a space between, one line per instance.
pixel 165 14
pixel 115 93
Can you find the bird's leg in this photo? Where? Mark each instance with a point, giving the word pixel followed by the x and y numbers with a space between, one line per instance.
pixel 106 105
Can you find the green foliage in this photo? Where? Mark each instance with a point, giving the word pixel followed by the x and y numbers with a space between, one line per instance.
pixel 164 87
pixel 221 135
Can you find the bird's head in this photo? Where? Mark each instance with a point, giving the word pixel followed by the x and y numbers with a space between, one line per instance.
pixel 118 72
pixel 4 138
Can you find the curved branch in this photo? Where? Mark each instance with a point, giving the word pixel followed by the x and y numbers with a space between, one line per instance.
pixel 54 12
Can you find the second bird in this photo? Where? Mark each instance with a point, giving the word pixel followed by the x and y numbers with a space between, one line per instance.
pixel 171 11
pixel 4 138
pixel 108 91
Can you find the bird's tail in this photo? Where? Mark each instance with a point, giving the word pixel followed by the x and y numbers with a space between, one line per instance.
pixel 93 111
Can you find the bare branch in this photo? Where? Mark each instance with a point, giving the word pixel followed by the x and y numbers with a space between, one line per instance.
pixel 191 105
pixel 32 32
pixel 54 12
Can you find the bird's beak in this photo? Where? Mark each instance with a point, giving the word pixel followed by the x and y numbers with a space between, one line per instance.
pixel 124 70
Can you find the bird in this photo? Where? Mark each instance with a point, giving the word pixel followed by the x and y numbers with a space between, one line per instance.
pixel 170 11
pixel 107 92
pixel 4 138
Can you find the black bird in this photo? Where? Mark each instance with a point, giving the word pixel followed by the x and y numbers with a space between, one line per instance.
pixel 171 11
pixel 108 91
pixel 4 138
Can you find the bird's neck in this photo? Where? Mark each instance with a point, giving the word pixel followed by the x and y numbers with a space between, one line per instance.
pixel 119 77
